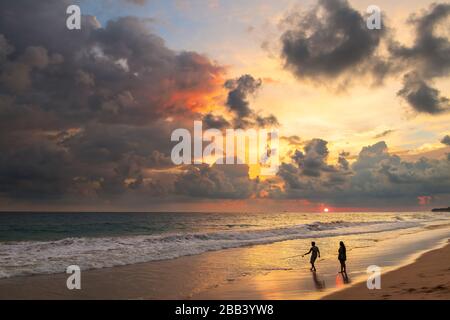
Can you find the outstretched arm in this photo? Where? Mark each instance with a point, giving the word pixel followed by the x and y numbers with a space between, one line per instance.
pixel 318 251
pixel 307 252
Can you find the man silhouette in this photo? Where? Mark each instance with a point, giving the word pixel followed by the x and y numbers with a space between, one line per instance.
pixel 314 253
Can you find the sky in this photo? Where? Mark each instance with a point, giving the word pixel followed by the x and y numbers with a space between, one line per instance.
pixel 87 115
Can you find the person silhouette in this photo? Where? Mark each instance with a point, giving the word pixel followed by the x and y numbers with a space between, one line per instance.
pixel 342 257
pixel 314 253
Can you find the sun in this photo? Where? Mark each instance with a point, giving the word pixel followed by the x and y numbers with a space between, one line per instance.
pixel 326 210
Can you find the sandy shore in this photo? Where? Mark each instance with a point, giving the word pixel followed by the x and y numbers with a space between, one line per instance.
pixel 224 274
pixel 426 278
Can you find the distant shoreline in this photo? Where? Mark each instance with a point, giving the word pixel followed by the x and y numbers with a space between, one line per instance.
pixel 6 211
pixel 441 209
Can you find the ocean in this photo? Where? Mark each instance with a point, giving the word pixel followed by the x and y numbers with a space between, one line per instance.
pixel 44 243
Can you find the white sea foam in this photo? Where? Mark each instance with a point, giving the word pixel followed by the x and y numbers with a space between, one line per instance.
pixel 31 257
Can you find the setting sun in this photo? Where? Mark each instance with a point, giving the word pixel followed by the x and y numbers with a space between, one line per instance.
pixel 185 149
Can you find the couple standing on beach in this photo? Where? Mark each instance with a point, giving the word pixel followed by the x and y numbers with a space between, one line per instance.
pixel 315 252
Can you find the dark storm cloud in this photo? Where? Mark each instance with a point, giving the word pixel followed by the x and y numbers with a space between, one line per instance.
pixel 343 162
pixel 240 89
pixel 5 48
pixel 330 40
pixel 34 169
pixel 269 121
pixel 215 122
pixel 88 115
pixel 218 181
pixel 118 74
pixel 238 104
pixel 377 171
pixel 430 52
pixel 429 58
pixel 292 177
pixel 310 176
pixel 376 178
pixel 100 144
pixel 313 160
pixel 446 140
pixel 421 96
pixel 83 113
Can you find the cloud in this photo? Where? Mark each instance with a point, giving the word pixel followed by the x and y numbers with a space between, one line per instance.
pixel 376 178
pixel 343 162
pixel 84 114
pixel 5 48
pixel 218 181
pixel 430 52
pixel 384 134
pixel 313 160
pixel 331 40
pixel 446 140
pixel 427 58
pixel 215 121
pixel 269 121
pixel 421 96
pixel 238 105
pixel 378 171
pixel 310 176
pixel 240 88
pixel 118 74
pixel 293 140
pixel 34 169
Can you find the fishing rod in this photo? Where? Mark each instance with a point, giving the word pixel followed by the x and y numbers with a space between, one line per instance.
pixel 300 255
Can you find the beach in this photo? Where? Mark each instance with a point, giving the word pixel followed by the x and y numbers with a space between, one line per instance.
pixel 190 150
pixel 267 271
pixel 428 278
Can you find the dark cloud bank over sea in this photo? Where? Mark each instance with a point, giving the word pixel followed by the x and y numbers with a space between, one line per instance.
pixel 86 117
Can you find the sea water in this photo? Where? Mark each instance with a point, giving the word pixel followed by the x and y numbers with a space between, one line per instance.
pixel 43 243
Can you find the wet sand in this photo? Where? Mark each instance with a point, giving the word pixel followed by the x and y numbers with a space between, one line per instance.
pixel 428 278
pixel 263 272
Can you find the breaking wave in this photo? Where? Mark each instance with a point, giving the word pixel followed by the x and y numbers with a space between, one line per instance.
pixel 43 257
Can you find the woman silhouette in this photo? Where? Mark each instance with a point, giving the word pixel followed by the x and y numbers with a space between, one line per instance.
pixel 342 256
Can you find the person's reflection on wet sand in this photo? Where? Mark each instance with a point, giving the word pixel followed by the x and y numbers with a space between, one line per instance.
pixel 318 283
pixel 345 278
pixel 342 279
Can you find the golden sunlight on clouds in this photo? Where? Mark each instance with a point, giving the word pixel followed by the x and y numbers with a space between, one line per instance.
pixel 350 119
